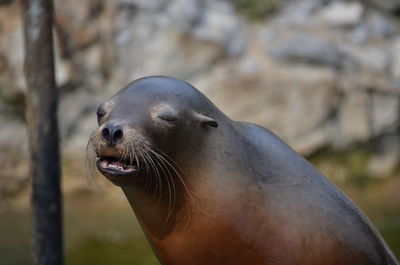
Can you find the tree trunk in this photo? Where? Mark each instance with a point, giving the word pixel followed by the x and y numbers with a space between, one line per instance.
pixel 41 115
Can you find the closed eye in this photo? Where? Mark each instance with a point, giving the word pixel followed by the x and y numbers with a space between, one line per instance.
pixel 168 117
pixel 100 114
pixel 165 113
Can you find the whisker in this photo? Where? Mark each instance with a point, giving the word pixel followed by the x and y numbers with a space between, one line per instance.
pixel 90 163
pixel 173 168
pixel 156 173
pixel 169 176
pixel 160 178
pixel 147 170
pixel 170 209
pixel 162 171
pixel 189 193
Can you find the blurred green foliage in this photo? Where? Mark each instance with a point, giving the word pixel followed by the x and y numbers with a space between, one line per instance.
pixel 256 9
pixel 12 105
pixel 352 165
pixel 103 252
pixel 390 230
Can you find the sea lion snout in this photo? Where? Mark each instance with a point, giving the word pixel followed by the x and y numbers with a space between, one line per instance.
pixel 118 152
pixel 112 133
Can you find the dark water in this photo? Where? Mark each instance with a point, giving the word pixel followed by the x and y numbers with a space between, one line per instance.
pixel 96 231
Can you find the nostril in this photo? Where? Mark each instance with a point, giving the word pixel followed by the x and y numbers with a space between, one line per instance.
pixel 117 135
pixel 106 134
pixel 112 133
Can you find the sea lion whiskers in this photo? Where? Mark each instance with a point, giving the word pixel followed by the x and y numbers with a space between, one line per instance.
pixel 170 208
pixel 158 165
pixel 90 161
pixel 134 143
pixel 169 175
pixel 164 169
pixel 137 152
pixel 127 152
pixel 153 167
pixel 148 171
pixel 137 160
pixel 156 174
pixel 164 159
pixel 173 196
pixel 172 192
pixel 162 155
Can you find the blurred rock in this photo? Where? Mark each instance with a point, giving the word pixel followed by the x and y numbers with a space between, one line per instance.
pixel 353 118
pixel 185 14
pixel 74 25
pixel 318 73
pixel 340 14
pixel 373 27
pixel 370 58
pixel 298 13
pixel 391 6
pixel 70 121
pixel 13 136
pixel 396 59
pixel 311 49
pixel 284 98
pixel 384 113
pixel 379 26
pixel 386 158
pixel 142 4
pixel 12 80
pixel 219 23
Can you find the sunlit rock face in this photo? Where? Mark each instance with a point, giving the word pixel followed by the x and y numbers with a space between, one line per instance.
pixel 316 73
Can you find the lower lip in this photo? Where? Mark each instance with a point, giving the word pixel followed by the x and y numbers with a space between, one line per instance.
pixel 114 172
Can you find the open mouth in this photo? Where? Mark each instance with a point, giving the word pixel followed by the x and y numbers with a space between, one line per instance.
pixel 117 167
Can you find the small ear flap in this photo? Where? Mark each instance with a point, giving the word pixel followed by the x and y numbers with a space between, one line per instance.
pixel 206 120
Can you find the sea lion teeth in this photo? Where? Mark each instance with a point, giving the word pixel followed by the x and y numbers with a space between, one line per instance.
pixel 104 163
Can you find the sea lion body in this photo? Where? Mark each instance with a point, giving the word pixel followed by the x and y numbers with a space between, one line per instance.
pixel 242 196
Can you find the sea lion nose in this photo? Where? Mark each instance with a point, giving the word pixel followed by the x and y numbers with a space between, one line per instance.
pixel 112 133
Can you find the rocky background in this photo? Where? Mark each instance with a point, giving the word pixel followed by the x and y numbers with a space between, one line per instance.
pixel 324 75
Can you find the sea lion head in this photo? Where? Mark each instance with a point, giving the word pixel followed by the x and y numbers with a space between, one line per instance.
pixel 145 127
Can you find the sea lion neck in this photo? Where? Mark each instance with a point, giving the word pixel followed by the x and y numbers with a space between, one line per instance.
pixel 155 216
pixel 200 199
pixel 160 218
pixel 181 193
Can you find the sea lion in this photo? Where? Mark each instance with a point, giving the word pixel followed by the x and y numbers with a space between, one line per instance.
pixel 210 190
